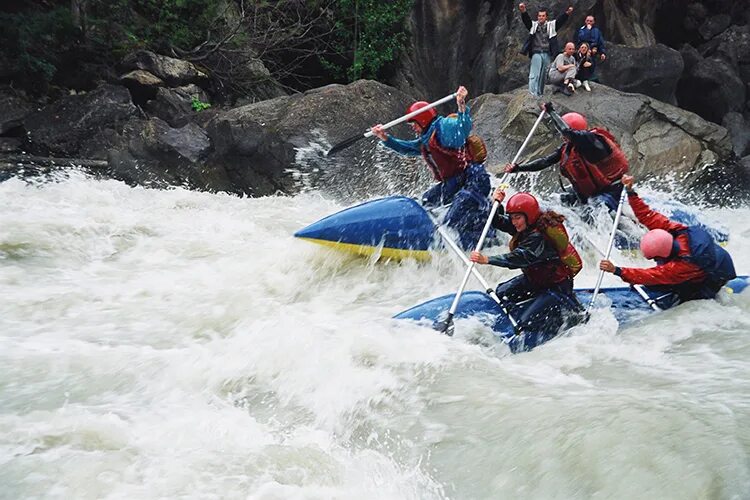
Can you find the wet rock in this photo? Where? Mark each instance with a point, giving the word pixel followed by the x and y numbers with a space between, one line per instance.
pixel 65 127
pixel 739 131
pixel 189 142
pixel 257 143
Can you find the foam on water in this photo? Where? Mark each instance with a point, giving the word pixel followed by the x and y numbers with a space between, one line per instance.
pixel 172 343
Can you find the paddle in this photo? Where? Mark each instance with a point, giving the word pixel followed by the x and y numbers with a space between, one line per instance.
pixel 351 140
pixel 489 290
pixel 638 288
pixel 611 244
pixel 447 324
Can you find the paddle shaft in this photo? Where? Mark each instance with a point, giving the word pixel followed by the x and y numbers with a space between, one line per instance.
pixel 490 291
pixel 638 288
pixel 488 224
pixel 351 140
pixel 611 243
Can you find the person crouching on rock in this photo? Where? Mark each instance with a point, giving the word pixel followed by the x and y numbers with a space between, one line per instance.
pixel 590 159
pixel 689 263
pixel 456 159
pixel 540 247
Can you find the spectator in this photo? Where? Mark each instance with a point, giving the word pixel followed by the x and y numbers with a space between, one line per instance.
pixel 586 66
pixel 563 71
pixel 592 35
pixel 541 44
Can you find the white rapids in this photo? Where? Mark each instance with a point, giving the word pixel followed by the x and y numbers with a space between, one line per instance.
pixel 165 344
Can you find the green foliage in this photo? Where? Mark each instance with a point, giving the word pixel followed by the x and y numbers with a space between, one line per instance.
pixel 32 41
pixel 350 39
pixel 199 105
pixel 372 32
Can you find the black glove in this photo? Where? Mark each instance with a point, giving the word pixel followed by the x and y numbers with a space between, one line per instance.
pixel 548 107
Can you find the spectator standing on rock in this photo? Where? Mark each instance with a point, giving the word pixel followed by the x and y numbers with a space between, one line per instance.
pixel 586 66
pixel 541 44
pixel 563 71
pixel 590 34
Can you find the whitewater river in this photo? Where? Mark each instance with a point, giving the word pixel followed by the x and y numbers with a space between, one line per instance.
pixel 176 344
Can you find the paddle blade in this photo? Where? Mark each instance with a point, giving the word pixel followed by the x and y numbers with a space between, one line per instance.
pixel 445 326
pixel 344 144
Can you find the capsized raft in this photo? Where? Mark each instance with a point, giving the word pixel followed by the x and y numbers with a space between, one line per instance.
pixel 626 303
pixel 398 227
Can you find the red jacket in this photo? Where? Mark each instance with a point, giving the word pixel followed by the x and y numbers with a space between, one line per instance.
pixel 676 271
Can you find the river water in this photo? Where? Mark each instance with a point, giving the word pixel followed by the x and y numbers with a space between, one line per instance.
pixel 164 344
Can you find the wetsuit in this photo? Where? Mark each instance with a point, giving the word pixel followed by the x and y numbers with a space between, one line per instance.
pixel 463 183
pixel 545 281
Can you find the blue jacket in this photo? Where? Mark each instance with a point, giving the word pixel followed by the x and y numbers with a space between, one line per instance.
pixel 593 37
pixel 452 132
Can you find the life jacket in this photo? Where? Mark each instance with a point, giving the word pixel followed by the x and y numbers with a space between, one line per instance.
pixel 448 162
pixel 711 258
pixel 588 178
pixel 546 274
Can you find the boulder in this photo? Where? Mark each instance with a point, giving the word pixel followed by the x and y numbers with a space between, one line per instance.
pixel 153 154
pixel 259 143
pixel 10 145
pixel 714 25
pixel 175 106
pixel 14 110
pixel 67 126
pixel 660 140
pixel 189 143
pixel 143 85
pixel 734 47
pixel 174 72
pixel 653 71
pixel 711 88
pixel 739 131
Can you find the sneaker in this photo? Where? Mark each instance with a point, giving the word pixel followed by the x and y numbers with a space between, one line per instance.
pixel 571 88
pixel 577 83
pixel 586 86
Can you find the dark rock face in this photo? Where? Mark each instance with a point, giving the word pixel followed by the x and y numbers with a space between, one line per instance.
pixel 653 71
pixel 477 43
pixel 712 89
pixel 739 131
pixel 14 110
pixel 68 126
pixel 257 143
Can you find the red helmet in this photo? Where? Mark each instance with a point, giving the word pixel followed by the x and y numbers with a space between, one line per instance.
pixel 657 243
pixel 423 119
pixel 576 121
pixel 524 203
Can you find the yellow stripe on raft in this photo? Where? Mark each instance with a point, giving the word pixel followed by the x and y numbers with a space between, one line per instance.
pixel 367 250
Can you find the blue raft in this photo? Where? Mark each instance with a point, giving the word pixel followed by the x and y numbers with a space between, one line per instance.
pixel 627 305
pixel 398 227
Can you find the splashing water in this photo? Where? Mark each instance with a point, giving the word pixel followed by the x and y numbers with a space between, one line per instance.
pixel 172 343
